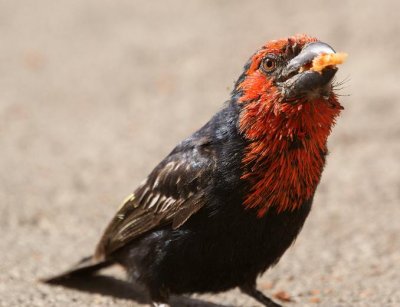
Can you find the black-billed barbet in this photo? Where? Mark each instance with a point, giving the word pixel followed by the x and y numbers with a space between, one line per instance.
pixel 229 200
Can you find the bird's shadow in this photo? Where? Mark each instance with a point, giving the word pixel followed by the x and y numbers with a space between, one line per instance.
pixel 110 286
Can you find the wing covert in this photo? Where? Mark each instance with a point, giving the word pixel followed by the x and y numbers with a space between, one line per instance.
pixel 172 192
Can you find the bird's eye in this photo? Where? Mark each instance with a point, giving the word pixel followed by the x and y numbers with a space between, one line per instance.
pixel 268 64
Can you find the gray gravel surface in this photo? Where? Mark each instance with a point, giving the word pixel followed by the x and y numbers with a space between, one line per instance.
pixel 93 93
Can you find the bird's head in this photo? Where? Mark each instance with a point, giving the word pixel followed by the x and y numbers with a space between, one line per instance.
pixel 280 72
pixel 279 81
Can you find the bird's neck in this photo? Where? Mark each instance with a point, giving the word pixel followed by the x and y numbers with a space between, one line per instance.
pixel 286 151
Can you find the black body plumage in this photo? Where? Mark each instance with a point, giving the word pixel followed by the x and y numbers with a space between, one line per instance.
pixel 223 245
pixel 169 249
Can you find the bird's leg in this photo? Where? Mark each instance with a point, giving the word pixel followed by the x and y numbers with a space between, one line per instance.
pixel 258 295
pixel 159 296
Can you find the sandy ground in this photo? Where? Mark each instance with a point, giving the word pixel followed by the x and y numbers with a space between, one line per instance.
pixel 94 93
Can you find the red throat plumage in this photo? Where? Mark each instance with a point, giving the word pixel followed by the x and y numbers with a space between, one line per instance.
pixel 287 140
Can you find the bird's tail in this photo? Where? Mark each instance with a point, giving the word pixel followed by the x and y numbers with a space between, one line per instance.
pixel 87 266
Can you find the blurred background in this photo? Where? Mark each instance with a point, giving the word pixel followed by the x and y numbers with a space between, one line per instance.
pixel 93 93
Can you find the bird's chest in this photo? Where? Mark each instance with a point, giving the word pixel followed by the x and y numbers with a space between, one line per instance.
pixel 284 179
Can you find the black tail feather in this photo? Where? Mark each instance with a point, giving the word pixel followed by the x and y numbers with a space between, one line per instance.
pixel 87 266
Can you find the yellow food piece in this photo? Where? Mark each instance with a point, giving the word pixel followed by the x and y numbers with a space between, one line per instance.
pixel 330 59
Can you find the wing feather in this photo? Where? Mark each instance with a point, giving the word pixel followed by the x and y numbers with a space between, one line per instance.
pixel 174 191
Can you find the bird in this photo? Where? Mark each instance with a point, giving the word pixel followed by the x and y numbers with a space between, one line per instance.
pixel 227 202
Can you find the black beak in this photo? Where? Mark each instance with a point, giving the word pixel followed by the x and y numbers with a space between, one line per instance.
pixel 299 84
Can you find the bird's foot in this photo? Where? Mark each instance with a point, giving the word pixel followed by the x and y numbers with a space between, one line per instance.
pixel 259 296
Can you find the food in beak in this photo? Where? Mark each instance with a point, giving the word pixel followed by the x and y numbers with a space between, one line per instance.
pixel 327 59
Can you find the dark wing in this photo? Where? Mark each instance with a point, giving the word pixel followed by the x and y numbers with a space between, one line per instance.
pixel 173 191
